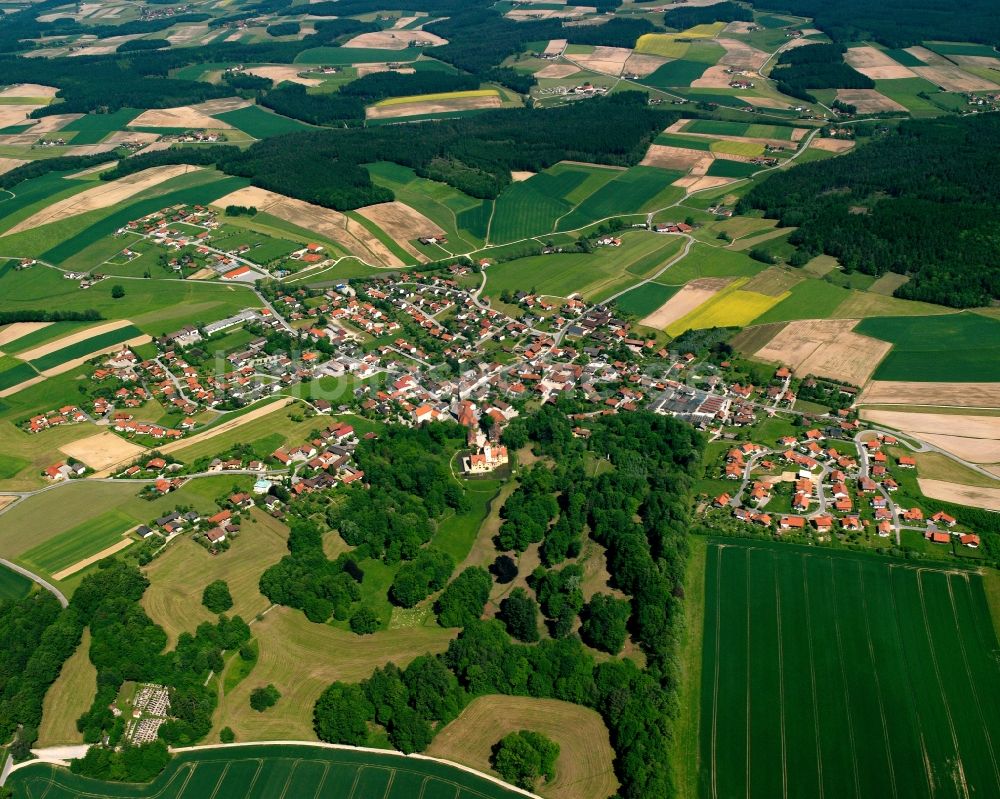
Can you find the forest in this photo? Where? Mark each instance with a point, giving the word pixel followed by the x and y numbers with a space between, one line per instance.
pixel 897 23
pixel 920 200
pixel 474 154
pixel 727 11
pixel 819 66
pixel 654 459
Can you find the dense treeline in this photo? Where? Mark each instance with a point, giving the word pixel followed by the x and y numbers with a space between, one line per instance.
pixel 292 100
pixel 654 459
pixel 920 201
pixel 898 23
pixel 142 44
pixel 681 18
pixel 36 638
pixel 89 315
pixel 380 85
pixel 475 154
pixel 818 66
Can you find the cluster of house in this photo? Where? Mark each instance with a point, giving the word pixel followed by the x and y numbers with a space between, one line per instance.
pixel 64 471
pixel 672 227
pixel 215 528
pixel 68 414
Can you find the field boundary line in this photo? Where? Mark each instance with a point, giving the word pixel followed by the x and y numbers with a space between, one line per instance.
pixel 944 696
pixel 928 770
pixel 847 687
pixel 878 682
pixel 968 674
pixel 715 687
pixel 781 685
pixel 812 680
pixel 748 673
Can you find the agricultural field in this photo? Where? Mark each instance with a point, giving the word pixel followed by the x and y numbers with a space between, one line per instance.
pixel 808 299
pixel 957 347
pixel 13 585
pixel 92 128
pixel 77 543
pixel 260 123
pixel 594 275
pixel 242 772
pixel 797 700
pixel 83 348
pixel 643 300
pixel 636 190
pixel 68 698
pixel 733 306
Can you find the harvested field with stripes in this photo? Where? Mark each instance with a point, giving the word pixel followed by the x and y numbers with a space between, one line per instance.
pixel 840 674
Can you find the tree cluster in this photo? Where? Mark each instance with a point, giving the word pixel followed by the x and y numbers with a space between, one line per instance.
pixel 524 757
pixel 682 18
pixel 818 66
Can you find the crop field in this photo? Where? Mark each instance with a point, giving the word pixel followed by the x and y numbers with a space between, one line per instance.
pixel 723 168
pixel 245 772
pixel 960 347
pixel 706 261
pixel 731 307
pixel 92 128
pixel 911 93
pixel 12 584
pixel 14 374
pixel 687 142
pixel 643 300
pixel 593 275
pixel 798 701
pixel 462 217
pixel 714 127
pixel 78 543
pixel 639 189
pixel 85 347
pixel 37 193
pixel 259 123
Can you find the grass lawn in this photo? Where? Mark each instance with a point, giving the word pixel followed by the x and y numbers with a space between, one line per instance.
pixel 643 300
pixel 77 543
pixel 843 675
pixel 959 347
pixel 68 698
pixel 274 771
pixel 597 274
pixel 261 123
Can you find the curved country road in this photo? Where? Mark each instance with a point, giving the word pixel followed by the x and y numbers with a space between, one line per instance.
pixel 35 578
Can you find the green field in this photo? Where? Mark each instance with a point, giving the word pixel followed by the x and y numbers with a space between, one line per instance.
pixel 33 195
pixel 906 59
pixel 687 142
pixel 12 584
pixel 260 123
pixel 639 189
pixel 43 334
pixel 715 127
pixel 961 48
pixel 356 55
pixel 910 92
pixel 643 300
pixel 707 261
pixel 676 73
pixel 92 128
pixel 78 543
pixel 271 771
pixel 594 275
pixel 810 299
pixel 16 374
pixel 724 168
pixel 959 347
pixel 85 347
pixel 844 675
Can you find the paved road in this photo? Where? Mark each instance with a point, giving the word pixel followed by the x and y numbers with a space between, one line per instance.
pixel 34 577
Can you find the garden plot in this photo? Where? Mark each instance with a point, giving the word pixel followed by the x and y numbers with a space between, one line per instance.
pixel 104 195
pixel 826 348
pixel 333 225
pixel 875 64
pixel 868 101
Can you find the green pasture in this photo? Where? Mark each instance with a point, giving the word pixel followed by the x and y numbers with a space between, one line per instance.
pixel 724 168
pixel 681 72
pixel 706 261
pixel 827 674
pixel 909 92
pixel 10 465
pixel 13 585
pixel 85 347
pixel 259 123
pixel 687 142
pixel 92 128
pixel 154 306
pixel 643 300
pixel 532 207
pixel 636 190
pixel 78 543
pixel 594 275
pixel 809 299
pixel 958 347
pixel 274 770
pixel 715 127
